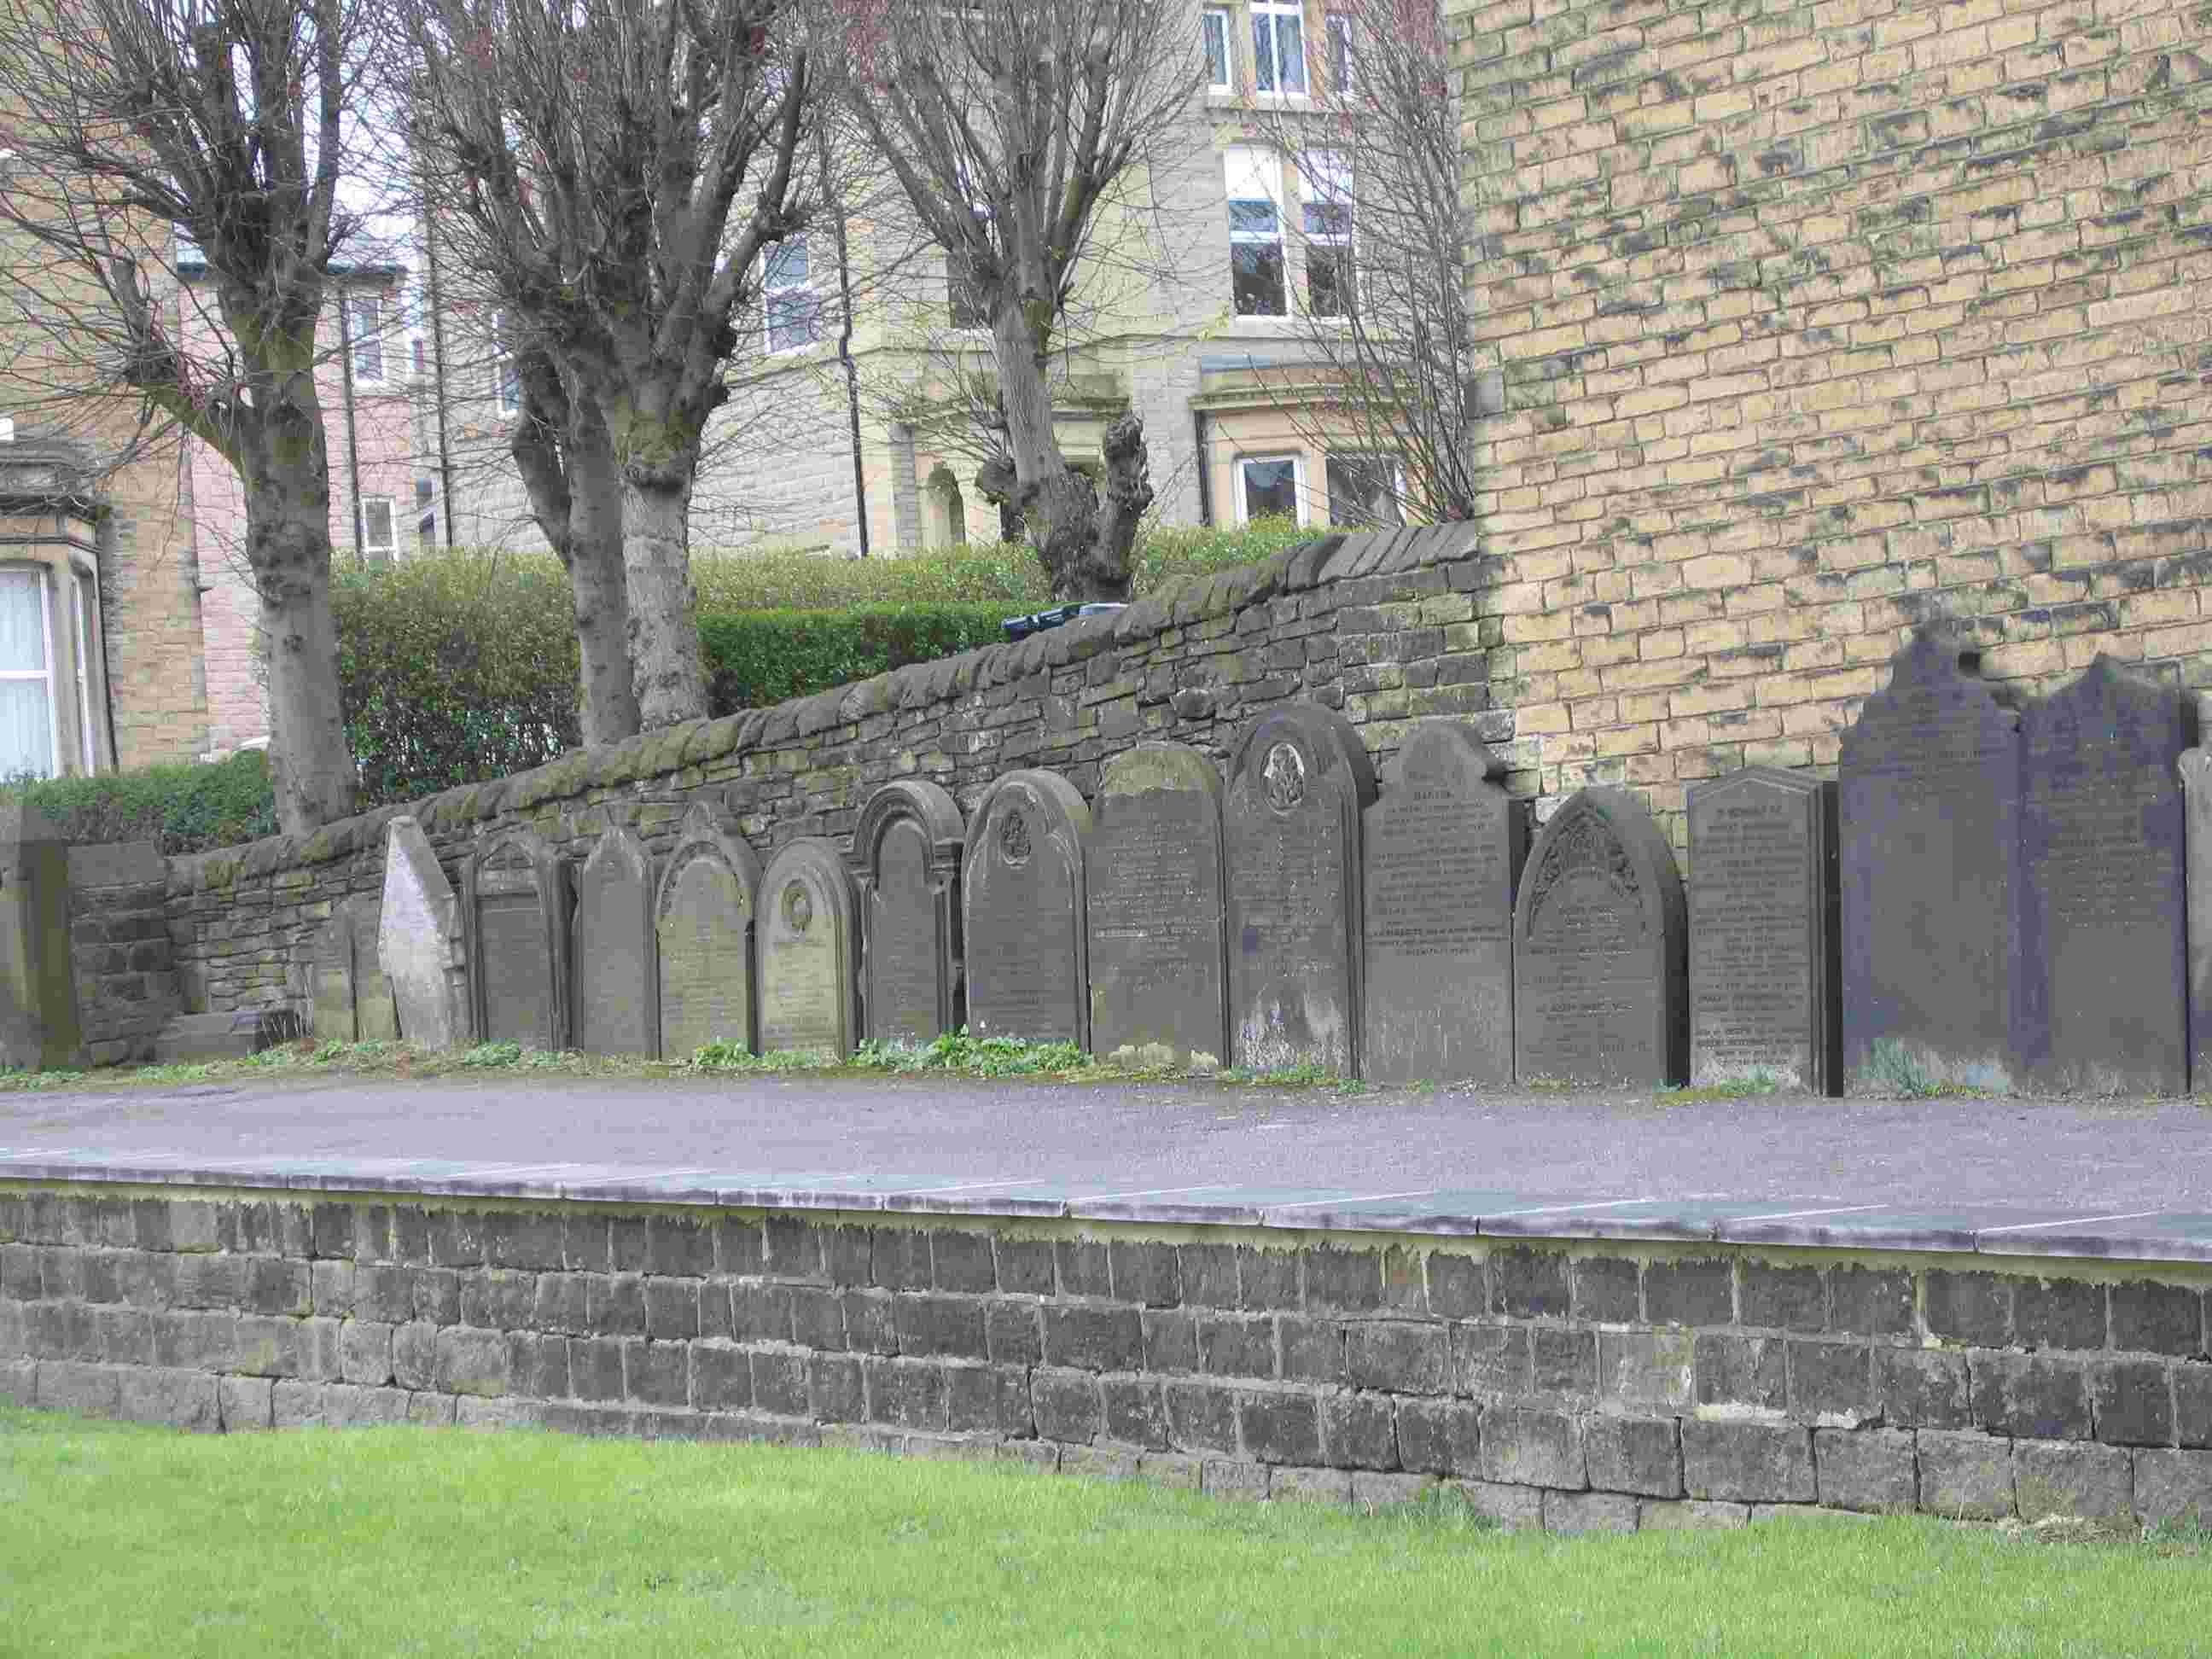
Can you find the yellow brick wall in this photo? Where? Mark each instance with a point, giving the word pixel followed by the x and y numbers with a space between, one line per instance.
pixel 1818 322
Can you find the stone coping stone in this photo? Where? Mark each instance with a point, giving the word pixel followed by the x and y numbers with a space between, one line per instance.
pixel 1801 1222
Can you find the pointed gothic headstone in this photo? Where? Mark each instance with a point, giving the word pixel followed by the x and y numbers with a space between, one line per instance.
pixel 420 942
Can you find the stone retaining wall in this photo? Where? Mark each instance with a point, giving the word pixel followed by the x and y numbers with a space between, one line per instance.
pixel 1571 1385
pixel 120 955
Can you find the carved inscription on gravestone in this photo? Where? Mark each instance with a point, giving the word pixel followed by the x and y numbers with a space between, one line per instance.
pixel 1021 888
pixel 1297 784
pixel 1763 962
pixel 1929 802
pixel 906 852
pixel 1443 847
pixel 518 947
pixel 1153 867
pixel 703 935
pixel 613 949
pixel 809 951
pixel 1598 949
pixel 2103 893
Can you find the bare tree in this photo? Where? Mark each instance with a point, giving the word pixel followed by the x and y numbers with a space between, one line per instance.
pixel 224 119
pixel 1376 153
pixel 591 155
pixel 1019 132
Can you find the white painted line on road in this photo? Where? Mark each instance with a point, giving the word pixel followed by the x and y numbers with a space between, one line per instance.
pixel 1797 1215
pixel 1363 1198
pixel 2072 1221
pixel 1153 1192
pixel 1551 1209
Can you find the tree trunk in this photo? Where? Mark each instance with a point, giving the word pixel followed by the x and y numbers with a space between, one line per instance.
pixel 598 586
pixel 663 634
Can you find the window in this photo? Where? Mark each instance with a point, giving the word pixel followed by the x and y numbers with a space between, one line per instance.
pixel 1269 486
pixel 376 537
pixel 1278 47
pixel 1256 232
pixel 1214 40
pixel 1363 491
pixel 365 320
pixel 1327 219
pixel 1336 33
pixel 505 378
pixel 84 602
pixel 790 310
pixel 27 741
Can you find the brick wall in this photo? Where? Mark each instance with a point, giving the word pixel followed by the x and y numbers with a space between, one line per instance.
pixel 1818 322
pixel 1572 1386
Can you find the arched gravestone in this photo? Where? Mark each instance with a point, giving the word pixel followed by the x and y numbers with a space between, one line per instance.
pixel 2103 897
pixel 348 998
pixel 1443 847
pixel 906 853
pixel 1021 887
pixel 1297 784
pixel 1155 909
pixel 1764 1000
pixel 809 951
pixel 421 942
pixel 515 899
pixel 1598 949
pixel 1930 785
pixel 612 950
pixel 703 937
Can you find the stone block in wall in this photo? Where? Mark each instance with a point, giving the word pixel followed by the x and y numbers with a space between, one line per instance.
pixel 2073 1480
pixel 1747 1462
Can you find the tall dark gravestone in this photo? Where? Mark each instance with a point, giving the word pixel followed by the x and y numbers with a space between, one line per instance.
pixel 1297 784
pixel 703 937
pixel 1764 998
pixel 1153 871
pixel 810 951
pixel 1598 949
pixel 1443 847
pixel 906 852
pixel 1022 890
pixel 612 950
pixel 1929 845
pixel 2104 894
pixel 2195 767
pixel 517 910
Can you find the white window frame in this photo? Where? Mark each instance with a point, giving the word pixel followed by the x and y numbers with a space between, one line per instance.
pixel 1214 32
pixel 505 378
pixel 1298 461
pixel 44 676
pixel 1325 179
pixel 365 320
pixel 81 582
pixel 1259 169
pixel 772 291
pixel 369 544
pixel 1269 20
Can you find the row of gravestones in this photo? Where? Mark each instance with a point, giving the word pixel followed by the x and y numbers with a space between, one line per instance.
pixel 1991 898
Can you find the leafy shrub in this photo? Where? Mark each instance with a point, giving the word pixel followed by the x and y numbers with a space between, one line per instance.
pixel 757 658
pixel 186 809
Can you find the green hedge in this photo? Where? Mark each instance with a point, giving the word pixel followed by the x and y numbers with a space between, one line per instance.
pixel 186 808
pixel 762 657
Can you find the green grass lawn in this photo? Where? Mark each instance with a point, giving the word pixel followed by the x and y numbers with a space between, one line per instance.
pixel 120 1539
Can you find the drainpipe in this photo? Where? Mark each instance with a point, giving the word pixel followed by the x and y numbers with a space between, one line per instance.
pixel 1205 472
pixel 845 342
pixel 353 437
pixel 438 377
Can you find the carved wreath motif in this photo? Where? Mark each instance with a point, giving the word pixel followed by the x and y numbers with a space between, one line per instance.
pixel 1284 777
pixel 1013 837
pixel 1585 844
pixel 797 908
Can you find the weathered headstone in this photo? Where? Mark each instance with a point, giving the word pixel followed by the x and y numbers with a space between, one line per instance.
pixel 612 949
pixel 1764 1001
pixel 1297 784
pixel 1021 882
pixel 375 1010
pixel 1153 887
pixel 809 949
pixel 1929 846
pixel 704 926
pixel 39 1025
pixel 516 901
pixel 1443 847
pixel 2195 767
pixel 2103 895
pixel 1598 949
pixel 420 942
pixel 906 854
pixel 349 1000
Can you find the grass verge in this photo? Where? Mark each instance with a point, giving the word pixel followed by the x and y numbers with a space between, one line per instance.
pixel 127 1541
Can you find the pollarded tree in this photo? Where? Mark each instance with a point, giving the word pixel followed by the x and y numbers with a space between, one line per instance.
pixel 223 122
pixel 614 171
pixel 1019 132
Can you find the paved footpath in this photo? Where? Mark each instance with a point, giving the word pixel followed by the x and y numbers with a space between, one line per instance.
pixel 2129 1178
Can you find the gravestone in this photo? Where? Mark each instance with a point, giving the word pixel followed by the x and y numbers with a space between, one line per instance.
pixel 1598 949
pixel 1764 1000
pixel 1021 889
pixel 420 942
pixel 1928 849
pixel 1443 847
pixel 1155 907
pixel 1298 783
pixel 703 935
pixel 906 854
pixel 39 1029
pixel 809 956
pixel 516 903
pixel 348 998
pixel 2195 767
pixel 612 949
pixel 2104 890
